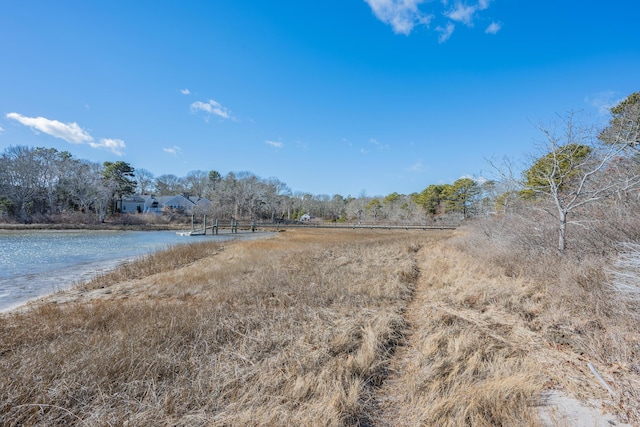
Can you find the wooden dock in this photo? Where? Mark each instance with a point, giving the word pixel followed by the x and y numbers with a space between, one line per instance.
pixel 233 226
pixel 215 228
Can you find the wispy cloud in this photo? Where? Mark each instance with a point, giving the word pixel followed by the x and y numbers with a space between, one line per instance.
pixel 445 32
pixel 480 179
pixel 70 132
pixel 379 145
pixel 116 146
pixel 493 28
pixel 405 15
pixel 418 166
pixel 185 91
pixel 275 144
pixel 401 15
pixel 1 130
pixel 464 14
pixel 461 13
pixel 211 107
pixel 172 150
pixel 603 101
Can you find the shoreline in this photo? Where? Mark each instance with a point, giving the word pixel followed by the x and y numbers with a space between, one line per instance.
pixel 89 272
pixel 92 227
pixel 94 270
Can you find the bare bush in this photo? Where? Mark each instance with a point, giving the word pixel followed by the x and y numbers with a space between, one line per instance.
pixel 625 274
pixel 576 308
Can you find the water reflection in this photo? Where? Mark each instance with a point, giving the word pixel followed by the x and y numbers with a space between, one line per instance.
pixel 36 263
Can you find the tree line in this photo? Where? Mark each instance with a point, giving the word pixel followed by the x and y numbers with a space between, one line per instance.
pixel 44 182
pixel 579 167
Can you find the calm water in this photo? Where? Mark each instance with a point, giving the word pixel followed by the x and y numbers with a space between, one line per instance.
pixel 36 263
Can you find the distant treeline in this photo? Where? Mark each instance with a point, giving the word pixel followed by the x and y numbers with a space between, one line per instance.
pixel 44 182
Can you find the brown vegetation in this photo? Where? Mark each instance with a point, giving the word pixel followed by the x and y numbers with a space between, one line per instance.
pixel 315 327
pixel 570 302
pixel 80 221
pixel 297 329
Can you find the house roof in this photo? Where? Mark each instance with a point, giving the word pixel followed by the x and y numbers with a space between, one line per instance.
pixel 177 200
pixel 133 199
pixel 199 200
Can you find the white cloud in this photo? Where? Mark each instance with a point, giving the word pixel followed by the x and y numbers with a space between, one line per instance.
pixel 465 13
pixel 462 13
pixel 275 144
pixel 70 132
pixel 493 28
pixel 211 107
pixel 445 32
pixel 418 166
pixel 1 130
pixel 172 150
pixel 402 15
pixel 480 180
pixel 603 101
pixel 185 91
pixel 116 146
pixel 380 146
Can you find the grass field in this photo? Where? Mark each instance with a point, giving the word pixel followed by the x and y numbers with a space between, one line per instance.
pixel 309 327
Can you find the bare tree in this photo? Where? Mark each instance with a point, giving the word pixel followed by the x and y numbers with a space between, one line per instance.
pixel 169 185
pixel 575 170
pixel 196 183
pixel 144 181
pixel 51 164
pixel 274 196
pixel 20 177
pixel 81 184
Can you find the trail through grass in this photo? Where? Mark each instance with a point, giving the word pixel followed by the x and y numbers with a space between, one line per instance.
pixel 312 327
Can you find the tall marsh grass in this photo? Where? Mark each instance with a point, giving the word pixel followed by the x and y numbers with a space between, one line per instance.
pixel 582 303
pixel 324 328
pixel 293 330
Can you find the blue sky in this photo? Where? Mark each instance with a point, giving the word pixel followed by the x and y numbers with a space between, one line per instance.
pixel 331 97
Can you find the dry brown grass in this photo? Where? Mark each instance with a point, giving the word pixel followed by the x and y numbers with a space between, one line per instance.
pixel 577 317
pixel 467 361
pixel 312 327
pixel 294 330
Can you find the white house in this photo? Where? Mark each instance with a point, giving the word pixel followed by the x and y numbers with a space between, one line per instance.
pixel 146 204
pixel 133 204
pixel 175 203
pixel 151 204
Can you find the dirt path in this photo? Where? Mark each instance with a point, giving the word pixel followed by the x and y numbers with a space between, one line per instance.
pixel 472 355
pixel 392 396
